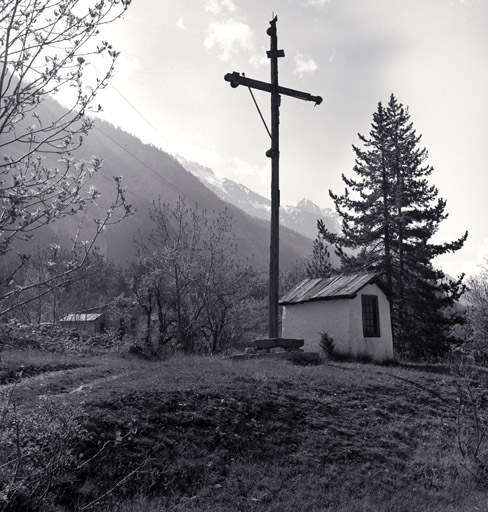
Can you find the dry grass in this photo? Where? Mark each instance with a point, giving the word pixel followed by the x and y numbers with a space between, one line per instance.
pixel 207 434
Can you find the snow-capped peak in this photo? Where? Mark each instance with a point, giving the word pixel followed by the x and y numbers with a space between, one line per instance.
pixel 308 206
pixel 301 218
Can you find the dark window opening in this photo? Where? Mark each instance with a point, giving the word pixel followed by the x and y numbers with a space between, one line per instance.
pixel 371 317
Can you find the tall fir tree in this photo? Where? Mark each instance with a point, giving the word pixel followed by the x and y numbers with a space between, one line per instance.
pixel 318 264
pixel 389 214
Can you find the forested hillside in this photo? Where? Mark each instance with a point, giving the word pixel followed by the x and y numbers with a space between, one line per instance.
pixel 152 175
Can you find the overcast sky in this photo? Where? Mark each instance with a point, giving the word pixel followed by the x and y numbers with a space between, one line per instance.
pixel 432 54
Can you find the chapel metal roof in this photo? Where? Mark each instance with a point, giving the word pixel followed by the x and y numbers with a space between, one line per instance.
pixel 81 317
pixel 336 287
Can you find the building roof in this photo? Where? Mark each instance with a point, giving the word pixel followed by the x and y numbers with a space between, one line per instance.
pixel 336 287
pixel 81 317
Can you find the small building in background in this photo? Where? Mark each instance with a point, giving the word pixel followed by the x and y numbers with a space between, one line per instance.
pixel 353 310
pixel 93 322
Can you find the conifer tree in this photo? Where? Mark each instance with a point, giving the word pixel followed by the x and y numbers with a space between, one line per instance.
pixel 319 264
pixel 389 214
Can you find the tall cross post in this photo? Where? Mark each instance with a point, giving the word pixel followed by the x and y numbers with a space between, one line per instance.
pixel 276 91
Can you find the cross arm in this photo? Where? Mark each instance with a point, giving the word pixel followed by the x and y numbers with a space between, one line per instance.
pixel 235 79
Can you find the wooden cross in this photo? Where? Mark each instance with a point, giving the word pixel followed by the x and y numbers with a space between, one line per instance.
pixel 276 90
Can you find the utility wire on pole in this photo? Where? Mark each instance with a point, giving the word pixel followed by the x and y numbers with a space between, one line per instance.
pixel 235 79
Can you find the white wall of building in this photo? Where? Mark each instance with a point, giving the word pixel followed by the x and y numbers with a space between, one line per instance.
pixel 342 320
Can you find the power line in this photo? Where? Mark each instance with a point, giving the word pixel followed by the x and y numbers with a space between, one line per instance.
pixel 149 168
pixel 128 191
pixel 155 130
pixel 138 112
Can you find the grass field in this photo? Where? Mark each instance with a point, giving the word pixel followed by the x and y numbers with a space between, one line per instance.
pixel 208 434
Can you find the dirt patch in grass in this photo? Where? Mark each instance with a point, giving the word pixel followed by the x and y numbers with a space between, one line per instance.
pixel 30 375
pixel 15 373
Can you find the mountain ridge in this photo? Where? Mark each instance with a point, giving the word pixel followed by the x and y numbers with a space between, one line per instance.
pixel 301 218
pixel 151 175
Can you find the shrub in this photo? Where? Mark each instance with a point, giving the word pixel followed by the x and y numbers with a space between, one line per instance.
pixel 472 422
pixel 328 346
pixel 35 451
